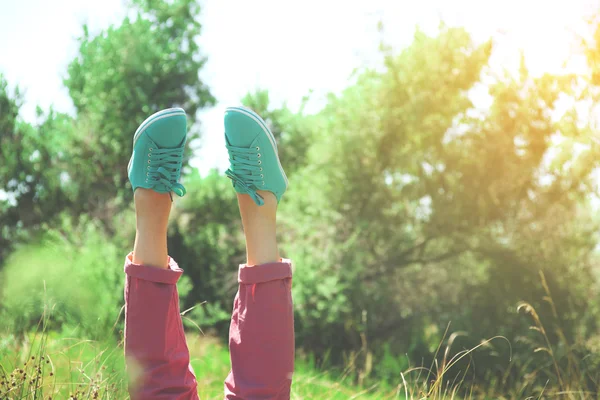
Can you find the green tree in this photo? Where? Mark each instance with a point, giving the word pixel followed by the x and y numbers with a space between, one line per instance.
pixel 78 165
pixel 151 61
pixel 293 131
pixel 31 162
pixel 416 207
pixel 364 192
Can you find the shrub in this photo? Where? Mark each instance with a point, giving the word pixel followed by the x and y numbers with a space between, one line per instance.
pixel 75 271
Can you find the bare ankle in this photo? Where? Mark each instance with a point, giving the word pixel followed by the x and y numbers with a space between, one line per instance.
pixel 152 218
pixel 150 203
pixel 260 228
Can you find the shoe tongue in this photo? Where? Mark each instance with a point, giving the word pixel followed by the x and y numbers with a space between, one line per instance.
pixel 168 133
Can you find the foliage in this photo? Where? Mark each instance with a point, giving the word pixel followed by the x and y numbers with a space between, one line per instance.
pixel 31 159
pixel 120 76
pixel 150 61
pixel 73 271
pixel 416 208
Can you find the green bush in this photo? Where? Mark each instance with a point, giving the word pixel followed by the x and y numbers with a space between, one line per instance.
pixel 74 272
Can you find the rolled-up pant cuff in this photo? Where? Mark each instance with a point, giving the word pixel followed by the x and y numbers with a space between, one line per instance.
pixel 261 335
pixel 155 347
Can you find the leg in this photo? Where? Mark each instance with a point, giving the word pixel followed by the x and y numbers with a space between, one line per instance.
pixel 155 346
pixel 261 335
pixel 259 228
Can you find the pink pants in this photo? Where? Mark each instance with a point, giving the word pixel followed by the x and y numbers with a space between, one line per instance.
pixel 261 335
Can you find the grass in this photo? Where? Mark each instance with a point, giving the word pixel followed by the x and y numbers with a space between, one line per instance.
pixel 211 364
pixel 58 366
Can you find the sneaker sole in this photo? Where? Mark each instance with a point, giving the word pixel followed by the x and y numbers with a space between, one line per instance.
pixel 169 112
pixel 257 118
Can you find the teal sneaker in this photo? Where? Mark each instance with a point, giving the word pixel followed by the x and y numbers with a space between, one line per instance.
pixel 158 146
pixel 253 158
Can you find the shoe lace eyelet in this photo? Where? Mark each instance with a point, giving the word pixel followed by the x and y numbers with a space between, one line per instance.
pixel 149 155
pixel 258 155
pixel 148 161
pixel 259 162
pixel 150 148
pixel 262 176
pixel 263 183
pixel 261 169
pixel 257 149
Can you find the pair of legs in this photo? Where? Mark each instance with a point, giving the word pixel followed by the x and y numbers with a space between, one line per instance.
pixel 261 338
pixel 152 216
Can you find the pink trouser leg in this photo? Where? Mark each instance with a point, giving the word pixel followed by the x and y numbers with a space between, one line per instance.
pixel 261 335
pixel 155 347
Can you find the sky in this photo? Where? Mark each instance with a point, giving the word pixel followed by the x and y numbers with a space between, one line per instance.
pixel 291 48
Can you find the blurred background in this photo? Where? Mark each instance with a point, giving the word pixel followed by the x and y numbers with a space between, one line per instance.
pixel 442 213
